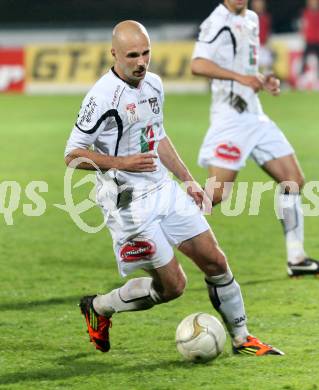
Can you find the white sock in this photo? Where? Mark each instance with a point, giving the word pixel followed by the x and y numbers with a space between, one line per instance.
pixel 225 295
pixel 136 294
pixel 292 218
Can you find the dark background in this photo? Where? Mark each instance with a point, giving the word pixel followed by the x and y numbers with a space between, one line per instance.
pixel 106 13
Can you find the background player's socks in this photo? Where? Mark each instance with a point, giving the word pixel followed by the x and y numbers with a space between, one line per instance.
pixel 136 294
pixel 225 295
pixel 291 214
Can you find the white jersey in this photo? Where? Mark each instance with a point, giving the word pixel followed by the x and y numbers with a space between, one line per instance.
pixel 118 119
pixel 232 42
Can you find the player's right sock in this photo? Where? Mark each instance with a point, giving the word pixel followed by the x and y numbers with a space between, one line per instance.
pixel 225 295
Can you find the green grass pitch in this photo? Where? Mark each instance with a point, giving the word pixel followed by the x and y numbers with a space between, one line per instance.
pixel 47 264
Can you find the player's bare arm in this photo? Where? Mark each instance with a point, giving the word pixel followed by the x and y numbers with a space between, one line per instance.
pixel 142 162
pixel 172 161
pixel 207 68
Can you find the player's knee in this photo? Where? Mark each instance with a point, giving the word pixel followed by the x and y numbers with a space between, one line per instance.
pixel 174 291
pixel 217 198
pixel 216 263
pixel 301 181
pixel 293 184
pixel 220 196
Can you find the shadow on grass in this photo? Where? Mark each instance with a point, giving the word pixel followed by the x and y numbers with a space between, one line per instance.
pixel 264 281
pixel 27 305
pixel 70 366
pixel 38 304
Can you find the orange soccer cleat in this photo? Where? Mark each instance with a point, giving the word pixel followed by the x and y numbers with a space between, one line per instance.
pixel 255 347
pixel 98 325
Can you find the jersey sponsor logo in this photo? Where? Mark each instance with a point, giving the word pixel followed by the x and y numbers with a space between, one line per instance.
pixel 136 250
pixel 229 152
pixel 154 105
pixel 86 113
pixel 131 112
pixel 147 139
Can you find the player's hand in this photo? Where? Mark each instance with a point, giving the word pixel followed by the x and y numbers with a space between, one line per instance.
pixel 254 82
pixel 142 162
pixel 200 197
pixel 272 85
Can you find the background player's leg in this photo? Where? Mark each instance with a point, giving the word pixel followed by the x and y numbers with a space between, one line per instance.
pixel 219 183
pixel 223 290
pixel 283 170
pixel 166 283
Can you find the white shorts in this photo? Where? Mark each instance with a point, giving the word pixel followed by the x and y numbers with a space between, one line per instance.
pixel 234 137
pixel 145 233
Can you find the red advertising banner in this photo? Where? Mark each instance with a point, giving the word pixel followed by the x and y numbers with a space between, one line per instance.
pixel 12 69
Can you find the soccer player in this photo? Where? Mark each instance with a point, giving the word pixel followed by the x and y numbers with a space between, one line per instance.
pixel 146 211
pixel 227 52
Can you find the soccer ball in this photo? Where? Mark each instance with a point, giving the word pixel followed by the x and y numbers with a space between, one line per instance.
pixel 200 337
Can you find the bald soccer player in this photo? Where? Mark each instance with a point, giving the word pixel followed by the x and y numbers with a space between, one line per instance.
pixel 146 211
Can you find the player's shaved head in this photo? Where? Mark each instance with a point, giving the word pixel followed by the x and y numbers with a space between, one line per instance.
pixel 131 51
pixel 128 31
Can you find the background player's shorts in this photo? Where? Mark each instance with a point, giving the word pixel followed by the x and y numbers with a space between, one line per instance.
pixel 234 137
pixel 145 233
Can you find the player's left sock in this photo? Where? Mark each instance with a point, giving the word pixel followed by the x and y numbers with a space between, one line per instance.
pixel 136 294
pixel 225 295
pixel 292 218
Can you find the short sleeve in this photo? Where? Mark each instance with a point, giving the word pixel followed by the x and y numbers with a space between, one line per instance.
pixel 161 134
pixel 209 39
pixel 89 124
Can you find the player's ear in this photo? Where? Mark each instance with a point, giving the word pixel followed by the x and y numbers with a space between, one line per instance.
pixel 113 53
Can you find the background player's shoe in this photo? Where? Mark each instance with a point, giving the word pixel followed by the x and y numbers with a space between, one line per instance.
pixel 307 267
pixel 255 347
pixel 98 325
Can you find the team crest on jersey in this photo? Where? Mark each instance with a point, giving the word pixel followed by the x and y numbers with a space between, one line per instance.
pixel 154 105
pixel 131 111
pixel 228 151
